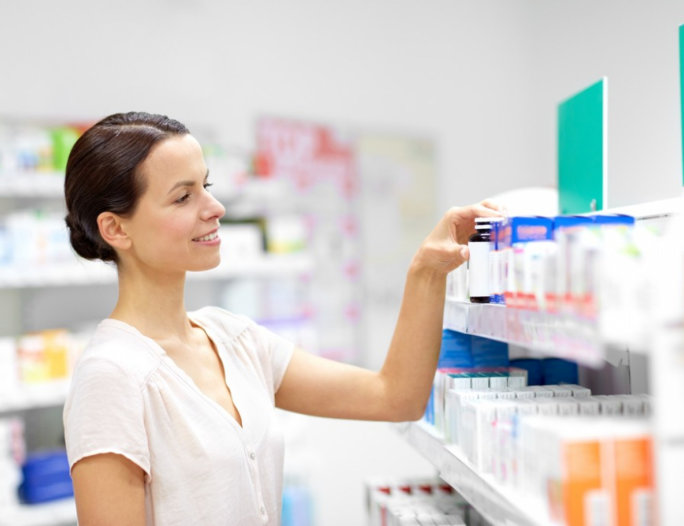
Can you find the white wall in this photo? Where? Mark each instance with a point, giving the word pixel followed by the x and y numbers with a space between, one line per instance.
pixel 483 78
pixel 458 71
pixel 635 45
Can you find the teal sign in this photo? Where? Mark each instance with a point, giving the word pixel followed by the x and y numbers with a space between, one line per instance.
pixel 582 152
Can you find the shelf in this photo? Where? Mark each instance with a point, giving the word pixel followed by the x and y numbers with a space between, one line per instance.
pixel 50 394
pixel 85 272
pixel 51 185
pixel 499 505
pixel 56 513
pixel 40 184
pixel 269 265
pixel 542 332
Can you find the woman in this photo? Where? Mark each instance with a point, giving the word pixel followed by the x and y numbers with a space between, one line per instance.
pixel 169 418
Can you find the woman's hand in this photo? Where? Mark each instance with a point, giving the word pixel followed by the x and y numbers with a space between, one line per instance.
pixel 447 245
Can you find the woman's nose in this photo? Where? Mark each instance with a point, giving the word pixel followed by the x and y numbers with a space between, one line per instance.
pixel 213 208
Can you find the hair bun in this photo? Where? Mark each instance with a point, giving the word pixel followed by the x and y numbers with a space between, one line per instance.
pixel 82 242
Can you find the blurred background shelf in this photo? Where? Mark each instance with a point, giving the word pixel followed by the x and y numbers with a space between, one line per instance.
pixel 39 184
pixel 46 394
pixel 91 273
pixel 56 513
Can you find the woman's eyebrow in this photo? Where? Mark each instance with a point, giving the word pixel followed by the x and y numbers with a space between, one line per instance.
pixel 187 182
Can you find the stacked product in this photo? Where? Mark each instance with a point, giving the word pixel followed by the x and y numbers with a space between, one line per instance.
pixel 502 431
pixel 26 149
pixel 414 503
pixel 464 353
pixel 38 365
pixel 588 471
pixel 33 239
pixel 542 263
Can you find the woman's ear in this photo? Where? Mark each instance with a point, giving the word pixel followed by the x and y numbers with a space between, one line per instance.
pixel 112 231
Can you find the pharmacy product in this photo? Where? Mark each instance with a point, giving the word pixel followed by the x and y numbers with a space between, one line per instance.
pixel 480 245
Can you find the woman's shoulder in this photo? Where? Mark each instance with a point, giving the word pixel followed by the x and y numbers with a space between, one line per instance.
pixel 117 348
pixel 229 323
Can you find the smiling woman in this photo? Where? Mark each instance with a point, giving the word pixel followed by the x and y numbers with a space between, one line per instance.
pixel 169 417
pixel 173 217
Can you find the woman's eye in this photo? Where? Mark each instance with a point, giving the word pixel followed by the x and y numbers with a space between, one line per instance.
pixel 207 185
pixel 183 198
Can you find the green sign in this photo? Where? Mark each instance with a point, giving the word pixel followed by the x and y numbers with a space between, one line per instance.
pixel 681 79
pixel 582 152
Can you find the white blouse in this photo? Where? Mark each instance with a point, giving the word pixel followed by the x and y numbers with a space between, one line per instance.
pixel 129 397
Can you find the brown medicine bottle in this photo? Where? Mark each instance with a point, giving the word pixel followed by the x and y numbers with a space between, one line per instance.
pixel 480 245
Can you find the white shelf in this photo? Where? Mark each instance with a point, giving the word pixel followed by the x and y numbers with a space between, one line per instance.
pixel 56 513
pixel 51 185
pixel 542 332
pixel 52 394
pixel 39 184
pixel 499 505
pixel 268 265
pixel 92 273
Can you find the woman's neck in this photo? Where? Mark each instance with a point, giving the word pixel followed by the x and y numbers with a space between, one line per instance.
pixel 154 304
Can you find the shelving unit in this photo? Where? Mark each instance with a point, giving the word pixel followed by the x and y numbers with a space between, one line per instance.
pixel 499 505
pixel 542 332
pixel 591 343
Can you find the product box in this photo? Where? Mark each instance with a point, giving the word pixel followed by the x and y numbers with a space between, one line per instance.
pixel 566 234
pixel 515 233
pixel 541 391
pixel 589 471
pixel 462 379
pixel 467 424
pixel 498 463
pixel 45 477
pixel 496 282
pixel 456 350
pixel 633 477
pixel 632 405
pixel 610 405
pixel 559 391
pixel 613 219
pixel 588 406
pixel 559 371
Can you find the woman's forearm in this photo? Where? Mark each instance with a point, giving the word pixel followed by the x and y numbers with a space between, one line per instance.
pixel 409 367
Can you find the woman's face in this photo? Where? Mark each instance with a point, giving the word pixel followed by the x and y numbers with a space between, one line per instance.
pixel 175 224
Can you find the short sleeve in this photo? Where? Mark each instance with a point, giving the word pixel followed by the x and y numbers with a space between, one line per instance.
pixel 104 413
pixel 278 351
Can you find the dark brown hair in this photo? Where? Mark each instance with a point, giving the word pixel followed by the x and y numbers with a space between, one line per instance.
pixel 102 174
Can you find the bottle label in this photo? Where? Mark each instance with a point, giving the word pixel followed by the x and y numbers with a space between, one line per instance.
pixel 478 268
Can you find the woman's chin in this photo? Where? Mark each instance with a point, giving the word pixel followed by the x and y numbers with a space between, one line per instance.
pixel 206 265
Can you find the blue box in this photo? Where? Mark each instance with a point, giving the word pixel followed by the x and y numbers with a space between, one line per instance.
pixel 46 477
pixel 456 351
pixel 559 371
pixel 613 219
pixel 534 368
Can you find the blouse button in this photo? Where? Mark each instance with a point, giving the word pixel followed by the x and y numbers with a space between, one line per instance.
pixel 252 455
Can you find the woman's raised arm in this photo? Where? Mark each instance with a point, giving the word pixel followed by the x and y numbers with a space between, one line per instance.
pixel 400 390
